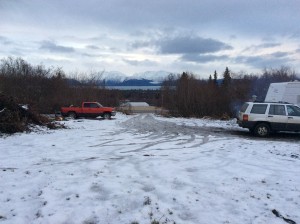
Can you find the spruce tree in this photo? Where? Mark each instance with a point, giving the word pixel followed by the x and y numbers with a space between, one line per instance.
pixel 210 79
pixel 226 78
pixel 215 77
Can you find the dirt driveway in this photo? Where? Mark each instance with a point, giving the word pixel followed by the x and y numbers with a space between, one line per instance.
pixel 146 123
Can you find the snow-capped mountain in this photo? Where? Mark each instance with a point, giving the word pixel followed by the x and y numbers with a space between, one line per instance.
pixel 145 78
pixel 155 76
pixel 114 76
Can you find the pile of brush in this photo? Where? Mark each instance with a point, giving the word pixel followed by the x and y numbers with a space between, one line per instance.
pixel 19 118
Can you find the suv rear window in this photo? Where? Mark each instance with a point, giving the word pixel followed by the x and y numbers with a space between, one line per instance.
pixel 259 109
pixel 244 107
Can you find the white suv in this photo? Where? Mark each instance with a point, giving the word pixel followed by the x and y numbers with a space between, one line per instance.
pixel 263 118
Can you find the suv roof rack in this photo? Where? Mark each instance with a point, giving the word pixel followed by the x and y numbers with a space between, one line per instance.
pixel 259 101
pixel 277 102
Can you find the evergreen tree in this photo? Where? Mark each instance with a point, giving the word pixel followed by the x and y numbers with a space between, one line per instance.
pixel 210 81
pixel 215 78
pixel 226 78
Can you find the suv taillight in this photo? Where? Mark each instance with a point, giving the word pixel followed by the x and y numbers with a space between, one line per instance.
pixel 245 117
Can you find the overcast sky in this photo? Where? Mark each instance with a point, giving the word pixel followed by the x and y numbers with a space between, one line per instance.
pixel 133 36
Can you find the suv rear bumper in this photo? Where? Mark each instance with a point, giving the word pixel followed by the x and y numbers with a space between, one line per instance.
pixel 246 124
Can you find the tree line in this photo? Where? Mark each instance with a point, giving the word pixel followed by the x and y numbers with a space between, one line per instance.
pixel 188 96
pixel 47 89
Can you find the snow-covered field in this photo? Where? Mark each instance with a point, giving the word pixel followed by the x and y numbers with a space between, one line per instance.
pixel 143 168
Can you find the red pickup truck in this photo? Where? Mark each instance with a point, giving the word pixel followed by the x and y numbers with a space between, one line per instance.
pixel 88 109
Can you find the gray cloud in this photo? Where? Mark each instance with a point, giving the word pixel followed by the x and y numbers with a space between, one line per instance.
pixel 203 58
pixel 183 45
pixel 92 47
pixel 269 60
pixel 279 54
pixel 191 45
pixel 296 34
pixel 266 45
pixel 92 55
pixel 262 46
pixel 251 17
pixel 255 17
pixel 140 63
pixel 52 47
pixel 5 40
pixel 141 44
pixel 2 38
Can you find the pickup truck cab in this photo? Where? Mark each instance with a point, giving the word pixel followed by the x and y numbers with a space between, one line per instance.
pixel 88 109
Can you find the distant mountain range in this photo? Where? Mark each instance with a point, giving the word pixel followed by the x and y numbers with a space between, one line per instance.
pixel 149 78
pixel 118 79
pixel 132 82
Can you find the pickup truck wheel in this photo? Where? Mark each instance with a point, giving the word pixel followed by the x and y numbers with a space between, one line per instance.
pixel 72 115
pixel 106 116
pixel 262 130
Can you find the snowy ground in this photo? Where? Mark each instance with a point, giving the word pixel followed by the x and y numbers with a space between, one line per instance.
pixel 137 169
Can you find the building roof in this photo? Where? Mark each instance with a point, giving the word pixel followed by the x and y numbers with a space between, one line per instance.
pixel 137 104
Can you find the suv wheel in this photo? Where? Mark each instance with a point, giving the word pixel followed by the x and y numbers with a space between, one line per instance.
pixel 262 130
